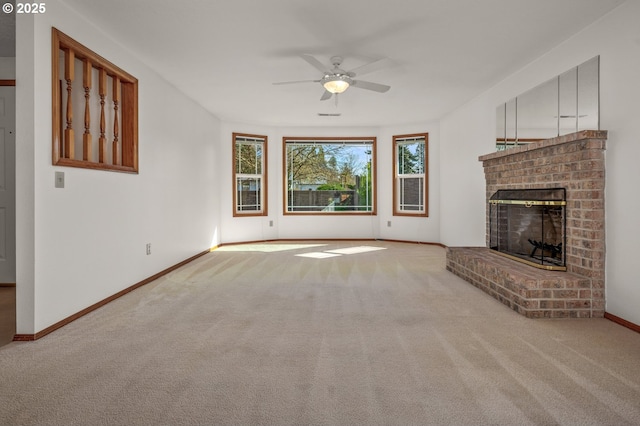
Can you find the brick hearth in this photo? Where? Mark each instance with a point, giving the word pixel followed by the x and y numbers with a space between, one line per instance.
pixel 532 292
pixel 574 162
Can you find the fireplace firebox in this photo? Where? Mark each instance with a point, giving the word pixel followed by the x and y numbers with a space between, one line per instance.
pixel 529 225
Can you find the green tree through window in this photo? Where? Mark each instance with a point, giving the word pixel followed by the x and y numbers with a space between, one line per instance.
pixel 410 175
pixel 329 175
pixel 249 192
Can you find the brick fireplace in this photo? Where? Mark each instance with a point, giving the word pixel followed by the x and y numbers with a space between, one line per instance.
pixel 576 163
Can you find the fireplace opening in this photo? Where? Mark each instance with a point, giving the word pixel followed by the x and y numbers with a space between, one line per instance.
pixel 528 225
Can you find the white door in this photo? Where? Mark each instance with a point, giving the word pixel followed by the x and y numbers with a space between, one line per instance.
pixel 7 184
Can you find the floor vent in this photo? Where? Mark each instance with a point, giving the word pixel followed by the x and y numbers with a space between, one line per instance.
pixel 322 114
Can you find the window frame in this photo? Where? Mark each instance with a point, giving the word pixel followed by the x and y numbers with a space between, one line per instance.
pixel 397 209
pixel 263 211
pixel 372 140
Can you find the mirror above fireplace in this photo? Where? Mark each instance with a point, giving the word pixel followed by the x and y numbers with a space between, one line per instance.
pixel 565 104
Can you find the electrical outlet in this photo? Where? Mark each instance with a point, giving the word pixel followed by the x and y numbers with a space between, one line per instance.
pixel 388 224
pixel 148 249
pixel 271 223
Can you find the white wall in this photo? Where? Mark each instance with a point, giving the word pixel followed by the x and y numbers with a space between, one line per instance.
pixel 469 132
pixel 338 227
pixel 86 242
pixel 251 228
pixel 465 135
pixel 406 228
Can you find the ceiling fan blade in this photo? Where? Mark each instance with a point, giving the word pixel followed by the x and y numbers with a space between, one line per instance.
pixel 316 64
pixel 295 82
pixel 376 87
pixel 370 67
pixel 326 95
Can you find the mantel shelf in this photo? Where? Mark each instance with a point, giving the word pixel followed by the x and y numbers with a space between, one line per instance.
pixel 571 137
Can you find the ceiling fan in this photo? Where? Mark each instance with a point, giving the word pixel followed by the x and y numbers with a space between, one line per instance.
pixel 336 80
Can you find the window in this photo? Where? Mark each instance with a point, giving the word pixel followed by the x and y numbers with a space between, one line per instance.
pixel 249 175
pixel 95 109
pixel 329 175
pixel 410 175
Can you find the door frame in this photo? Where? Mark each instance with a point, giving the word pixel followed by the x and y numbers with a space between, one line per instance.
pixel 8 83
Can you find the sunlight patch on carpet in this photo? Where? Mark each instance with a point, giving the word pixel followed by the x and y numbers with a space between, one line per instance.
pixel 356 250
pixel 267 247
pixel 318 255
pixel 340 252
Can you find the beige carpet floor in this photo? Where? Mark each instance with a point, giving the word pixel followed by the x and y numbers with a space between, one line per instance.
pixel 361 333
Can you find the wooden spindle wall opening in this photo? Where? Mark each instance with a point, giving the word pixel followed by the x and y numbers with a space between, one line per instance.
pixel 102 142
pixel 116 125
pixel 87 146
pixel 69 67
pixel 109 109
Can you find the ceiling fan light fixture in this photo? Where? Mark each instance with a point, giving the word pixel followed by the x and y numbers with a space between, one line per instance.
pixel 336 83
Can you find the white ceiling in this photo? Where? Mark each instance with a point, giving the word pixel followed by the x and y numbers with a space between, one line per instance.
pixel 225 54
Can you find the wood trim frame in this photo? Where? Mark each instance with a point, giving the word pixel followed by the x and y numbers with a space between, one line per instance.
pixel 502 141
pixel 60 324
pixel 265 173
pixel 7 83
pixel 622 322
pixel 396 211
pixel 374 156
pixel 128 106
pixel 427 243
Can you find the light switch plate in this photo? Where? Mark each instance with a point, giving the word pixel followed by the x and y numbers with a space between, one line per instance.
pixel 59 180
